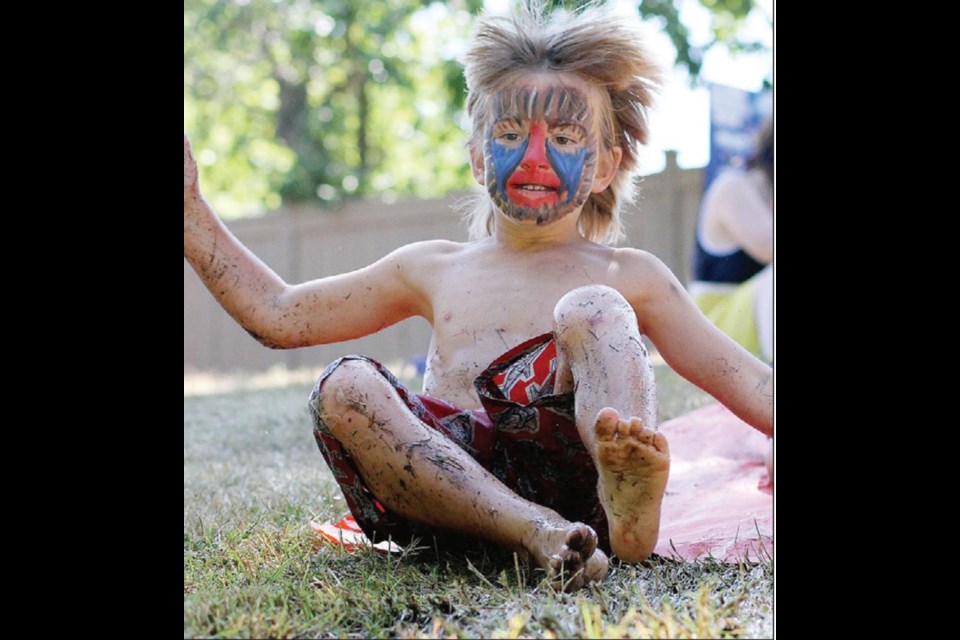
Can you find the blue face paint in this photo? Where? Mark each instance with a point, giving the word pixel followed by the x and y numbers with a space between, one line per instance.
pixel 505 161
pixel 540 114
pixel 568 167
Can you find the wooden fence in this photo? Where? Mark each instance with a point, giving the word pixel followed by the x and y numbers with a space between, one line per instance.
pixel 305 243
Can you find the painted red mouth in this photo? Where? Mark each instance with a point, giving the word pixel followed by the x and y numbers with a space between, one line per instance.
pixel 533 188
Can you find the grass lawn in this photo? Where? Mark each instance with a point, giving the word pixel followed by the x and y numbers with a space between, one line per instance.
pixel 253 478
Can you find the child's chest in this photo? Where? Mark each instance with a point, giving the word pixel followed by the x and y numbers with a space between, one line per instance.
pixel 480 314
pixel 506 300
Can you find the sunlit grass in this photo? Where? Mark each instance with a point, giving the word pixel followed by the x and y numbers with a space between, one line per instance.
pixel 253 479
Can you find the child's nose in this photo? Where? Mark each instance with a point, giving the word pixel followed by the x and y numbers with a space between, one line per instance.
pixel 536 155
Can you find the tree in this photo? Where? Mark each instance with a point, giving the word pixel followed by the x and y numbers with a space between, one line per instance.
pixel 299 100
pixel 728 16
pixel 327 99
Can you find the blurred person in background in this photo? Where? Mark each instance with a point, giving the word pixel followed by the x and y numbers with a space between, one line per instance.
pixel 733 257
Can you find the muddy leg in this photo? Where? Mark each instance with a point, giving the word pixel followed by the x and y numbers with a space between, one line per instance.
pixel 423 476
pixel 602 358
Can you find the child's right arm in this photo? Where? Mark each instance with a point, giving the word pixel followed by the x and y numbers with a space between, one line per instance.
pixel 281 315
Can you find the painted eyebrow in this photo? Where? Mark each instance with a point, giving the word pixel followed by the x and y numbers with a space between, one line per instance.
pixel 512 119
pixel 509 119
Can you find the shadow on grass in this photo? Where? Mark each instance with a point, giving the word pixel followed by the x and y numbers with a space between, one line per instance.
pixel 253 479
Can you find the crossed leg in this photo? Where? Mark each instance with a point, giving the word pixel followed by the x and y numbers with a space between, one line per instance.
pixel 423 476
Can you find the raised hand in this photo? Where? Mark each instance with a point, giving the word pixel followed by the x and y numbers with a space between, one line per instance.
pixel 190 185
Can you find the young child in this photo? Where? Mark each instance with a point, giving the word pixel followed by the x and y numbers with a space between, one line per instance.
pixel 537 427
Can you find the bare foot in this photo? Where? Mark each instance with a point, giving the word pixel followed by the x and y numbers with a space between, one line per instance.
pixel 569 555
pixel 633 463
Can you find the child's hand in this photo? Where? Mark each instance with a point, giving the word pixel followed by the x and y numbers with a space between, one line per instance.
pixel 190 186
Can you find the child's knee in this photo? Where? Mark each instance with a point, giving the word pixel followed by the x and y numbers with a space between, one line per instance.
pixel 343 389
pixel 590 309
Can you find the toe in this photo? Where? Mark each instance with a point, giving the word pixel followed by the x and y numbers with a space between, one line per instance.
pixel 607 423
pixel 660 442
pixel 583 540
pixel 576 540
pixel 596 568
pixel 556 564
pixel 645 436
pixel 566 571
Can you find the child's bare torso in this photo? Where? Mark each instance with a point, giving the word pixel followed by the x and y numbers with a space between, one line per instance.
pixel 486 299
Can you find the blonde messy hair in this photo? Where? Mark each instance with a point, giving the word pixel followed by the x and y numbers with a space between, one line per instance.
pixel 602 48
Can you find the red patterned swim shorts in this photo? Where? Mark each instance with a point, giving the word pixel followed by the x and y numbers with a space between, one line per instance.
pixel 525 435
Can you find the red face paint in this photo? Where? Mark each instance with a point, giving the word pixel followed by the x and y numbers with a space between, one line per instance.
pixel 540 151
pixel 534 183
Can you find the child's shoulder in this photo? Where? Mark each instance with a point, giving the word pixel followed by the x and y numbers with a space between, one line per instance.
pixel 426 256
pixel 636 261
pixel 639 274
pixel 429 250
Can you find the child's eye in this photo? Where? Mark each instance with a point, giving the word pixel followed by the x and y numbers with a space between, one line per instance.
pixel 510 137
pixel 566 136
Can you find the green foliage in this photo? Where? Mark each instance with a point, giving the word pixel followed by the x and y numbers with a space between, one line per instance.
pixel 728 17
pixel 324 99
pixel 300 100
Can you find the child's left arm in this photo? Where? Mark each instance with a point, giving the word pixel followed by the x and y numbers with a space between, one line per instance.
pixel 694 347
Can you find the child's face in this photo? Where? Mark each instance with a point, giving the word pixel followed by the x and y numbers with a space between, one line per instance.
pixel 540 149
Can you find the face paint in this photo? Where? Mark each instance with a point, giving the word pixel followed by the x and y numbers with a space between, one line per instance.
pixel 540 152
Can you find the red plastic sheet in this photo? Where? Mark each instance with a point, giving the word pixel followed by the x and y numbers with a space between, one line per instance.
pixel 719 499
